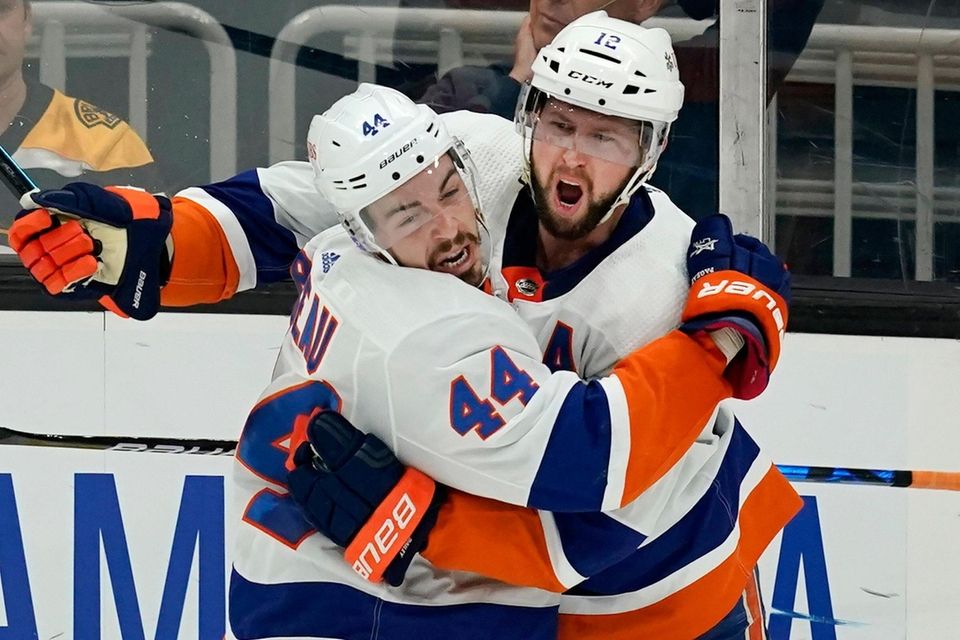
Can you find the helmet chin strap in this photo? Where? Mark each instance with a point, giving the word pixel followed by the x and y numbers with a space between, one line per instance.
pixel 636 181
pixel 386 255
pixel 486 247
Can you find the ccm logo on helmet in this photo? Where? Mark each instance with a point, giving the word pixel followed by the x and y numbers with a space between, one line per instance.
pixel 740 288
pixel 399 152
pixel 385 537
pixel 577 75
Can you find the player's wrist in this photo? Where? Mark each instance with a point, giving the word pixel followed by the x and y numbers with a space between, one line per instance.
pixel 728 340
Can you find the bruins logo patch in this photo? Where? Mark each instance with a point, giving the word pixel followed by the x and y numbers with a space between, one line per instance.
pixel 91 115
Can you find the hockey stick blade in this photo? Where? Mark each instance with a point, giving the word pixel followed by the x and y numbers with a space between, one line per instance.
pixel 119 443
pixel 937 480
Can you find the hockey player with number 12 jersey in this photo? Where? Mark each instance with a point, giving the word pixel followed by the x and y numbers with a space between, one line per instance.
pixel 690 560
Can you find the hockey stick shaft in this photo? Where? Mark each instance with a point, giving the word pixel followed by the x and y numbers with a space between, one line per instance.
pixel 943 480
pixel 940 480
pixel 119 443
pixel 14 178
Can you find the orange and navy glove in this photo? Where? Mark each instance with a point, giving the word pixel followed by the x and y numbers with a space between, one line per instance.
pixel 356 492
pixel 738 284
pixel 87 242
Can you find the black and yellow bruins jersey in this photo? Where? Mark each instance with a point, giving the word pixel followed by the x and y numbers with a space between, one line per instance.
pixel 58 139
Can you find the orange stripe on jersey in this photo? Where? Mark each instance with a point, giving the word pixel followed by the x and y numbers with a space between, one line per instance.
pixel 469 536
pixel 204 269
pixel 661 428
pixel 693 611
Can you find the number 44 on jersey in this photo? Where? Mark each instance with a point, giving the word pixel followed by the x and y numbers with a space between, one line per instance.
pixel 468 412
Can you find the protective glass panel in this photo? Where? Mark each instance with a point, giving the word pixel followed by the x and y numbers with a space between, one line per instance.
pixel 864 151
pixel 863 182
pixel 140 94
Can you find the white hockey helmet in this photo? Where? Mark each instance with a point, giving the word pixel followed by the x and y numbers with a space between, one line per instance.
pixel 370 142
pixel 612 67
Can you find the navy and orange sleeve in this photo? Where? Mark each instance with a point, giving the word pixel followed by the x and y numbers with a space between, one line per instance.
pixel 672 387
pixel 691 611
pixel 226 238
pixel 614 437
pixel 513 545
pixel 204 269
pixel 494 539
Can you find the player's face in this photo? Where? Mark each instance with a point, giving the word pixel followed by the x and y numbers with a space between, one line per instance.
pixel 15 29
pixel 430 222
pixel 580 161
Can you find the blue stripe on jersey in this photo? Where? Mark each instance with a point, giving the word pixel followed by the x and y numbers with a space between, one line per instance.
pixel 330 610
pixel 573 471
pixel 273 246
pixel 734 625
pixel 702 529
pixel 594 541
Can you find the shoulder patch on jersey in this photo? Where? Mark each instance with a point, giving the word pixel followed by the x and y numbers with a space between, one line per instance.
pixel 90 115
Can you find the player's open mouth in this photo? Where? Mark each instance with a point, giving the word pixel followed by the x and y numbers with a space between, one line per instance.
pixel 568 195
pixel 458 262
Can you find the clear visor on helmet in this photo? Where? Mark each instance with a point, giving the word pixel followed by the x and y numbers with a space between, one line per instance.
pixel 446 187
pixel 622 141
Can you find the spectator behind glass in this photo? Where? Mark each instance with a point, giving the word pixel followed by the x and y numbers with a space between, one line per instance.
pixel 55 137
pixel 495 89
pixel 689 168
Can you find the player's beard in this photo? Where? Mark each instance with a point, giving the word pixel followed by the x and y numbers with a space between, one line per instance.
pixel 561 228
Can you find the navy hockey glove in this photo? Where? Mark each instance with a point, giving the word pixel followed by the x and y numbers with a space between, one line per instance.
pixel 738 284
pixel 358 494
pixel 86 242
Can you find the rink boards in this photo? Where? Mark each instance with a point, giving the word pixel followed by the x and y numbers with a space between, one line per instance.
pixel 136 545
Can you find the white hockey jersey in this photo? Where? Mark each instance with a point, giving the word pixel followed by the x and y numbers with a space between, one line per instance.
pixel 669 564
pixel 452 380
pixel 672 563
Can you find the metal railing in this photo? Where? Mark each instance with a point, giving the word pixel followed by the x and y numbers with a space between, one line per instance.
pixel 921 59
pixel 81 29
pixel 841 55
pixel 372 35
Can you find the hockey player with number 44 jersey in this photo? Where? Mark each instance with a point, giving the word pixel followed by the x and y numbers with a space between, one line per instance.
pixel 453 380
pixel 682 571
pixel 685 567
